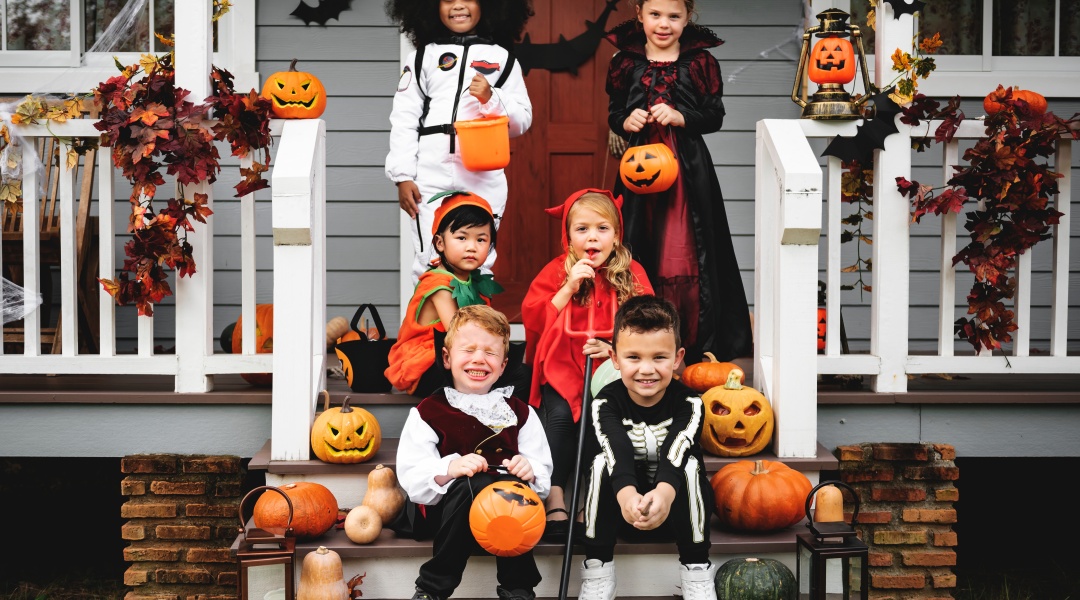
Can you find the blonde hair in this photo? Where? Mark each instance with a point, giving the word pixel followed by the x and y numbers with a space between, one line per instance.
pixel 617 268
pixel 486 318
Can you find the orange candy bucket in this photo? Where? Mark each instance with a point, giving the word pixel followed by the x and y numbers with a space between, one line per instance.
pixel 485 143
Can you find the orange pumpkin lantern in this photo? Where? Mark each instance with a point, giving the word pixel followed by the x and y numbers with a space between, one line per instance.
pixel 738 420
pixel 707 374
pixel 832 60
pixel 507 518
pixel 760 495
pixel 314 509
pixel 648 169
pixel 264 340
pixel 345 435
pixel 295 94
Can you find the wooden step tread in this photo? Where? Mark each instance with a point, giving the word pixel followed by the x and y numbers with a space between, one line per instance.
pixel 824 461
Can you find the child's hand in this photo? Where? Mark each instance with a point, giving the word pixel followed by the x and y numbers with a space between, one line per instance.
pixel 596 349
pixel 665 115
pixel 408 197
pixel 467 466
pixel 637 120
pixel 655 506
pixel 519 467
pixel 630 502
pixel 480 88
pixel 582 270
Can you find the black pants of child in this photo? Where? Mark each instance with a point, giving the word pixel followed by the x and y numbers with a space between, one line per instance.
pixel 688 522
pixel 454 542
pixel 562 435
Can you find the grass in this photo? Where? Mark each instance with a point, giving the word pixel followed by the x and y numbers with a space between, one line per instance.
pixel 73 589
pixel 1051 578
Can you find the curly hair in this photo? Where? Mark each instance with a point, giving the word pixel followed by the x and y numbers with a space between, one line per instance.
pixel 502 21
pixel 486 318
pixel 617 268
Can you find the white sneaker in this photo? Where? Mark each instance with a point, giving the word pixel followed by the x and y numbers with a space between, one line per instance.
pixel 698 581
pixel 597 580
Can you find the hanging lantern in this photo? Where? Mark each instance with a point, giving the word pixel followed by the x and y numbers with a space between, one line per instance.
pixel 831 63
pixel 831 560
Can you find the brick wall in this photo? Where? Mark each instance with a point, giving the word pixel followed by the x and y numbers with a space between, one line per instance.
pixel 181 516
pixel 906 513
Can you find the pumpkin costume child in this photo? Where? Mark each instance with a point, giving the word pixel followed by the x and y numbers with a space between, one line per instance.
pixel 461 439
pixel 644 461
pixel 680 236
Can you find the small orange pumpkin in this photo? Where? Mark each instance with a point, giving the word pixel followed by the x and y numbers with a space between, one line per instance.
pixel 832 60
pixel 264 341
pixel 315 509
pixel 739 420
pixel 705 375
pixel 648 169
pixel 345 435
pixel 507 518
pixel 822 327
pixel 760 495
pixel 992 103
pixel 295 94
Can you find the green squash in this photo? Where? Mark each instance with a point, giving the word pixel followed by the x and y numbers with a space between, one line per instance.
pixel 755 579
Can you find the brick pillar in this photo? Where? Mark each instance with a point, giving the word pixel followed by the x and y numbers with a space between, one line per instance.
pixel 906 512
pixel 182 519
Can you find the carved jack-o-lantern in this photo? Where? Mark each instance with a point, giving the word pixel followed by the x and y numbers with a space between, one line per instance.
pixel 821 328
pixel 648 169
pixel 295 94
pixel 738 419
pixel 832 61
pixel 345 435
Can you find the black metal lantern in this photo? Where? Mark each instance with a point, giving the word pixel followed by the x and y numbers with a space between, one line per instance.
pixel 832 560
pixel 266 557
pixel 831 62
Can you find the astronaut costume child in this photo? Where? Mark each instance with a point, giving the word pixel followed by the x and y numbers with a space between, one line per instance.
pixel 432 93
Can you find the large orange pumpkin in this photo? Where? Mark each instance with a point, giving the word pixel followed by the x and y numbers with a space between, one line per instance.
pixel 264 340
pixel 315 509
pixel 295 94
pixel 707 374
pixel 345 435
pixel 832 60
pixel 760 495
pixel 507 518
pixel 992 103
pixel 648 169
pixel 739 420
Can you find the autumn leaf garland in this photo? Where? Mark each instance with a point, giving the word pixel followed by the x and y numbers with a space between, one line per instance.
pixel 150 125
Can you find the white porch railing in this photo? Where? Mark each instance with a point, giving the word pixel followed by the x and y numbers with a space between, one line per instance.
pixel 788 218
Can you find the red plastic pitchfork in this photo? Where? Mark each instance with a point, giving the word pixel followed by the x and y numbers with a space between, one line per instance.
pixel 590 332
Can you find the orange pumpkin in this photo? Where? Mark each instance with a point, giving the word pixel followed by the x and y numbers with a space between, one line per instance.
pixel 507 518
pixel 993 102
pixel 315 509
pixel 760 495
pixel 822 328
pixel 345 435
pixel 648 169
pixel 705 375
pixel 295 94
pixel 739 420
pixel 832 60
pixel 264 341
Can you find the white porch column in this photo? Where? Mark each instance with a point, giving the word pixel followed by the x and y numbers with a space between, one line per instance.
pixel 195 294
pixel 891 256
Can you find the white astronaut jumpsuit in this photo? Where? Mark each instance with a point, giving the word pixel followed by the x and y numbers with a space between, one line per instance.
pixel 424 156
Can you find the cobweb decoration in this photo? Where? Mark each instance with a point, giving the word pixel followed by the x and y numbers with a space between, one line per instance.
pixel 15 304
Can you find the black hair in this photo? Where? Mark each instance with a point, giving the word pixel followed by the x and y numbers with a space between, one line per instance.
pixel 466 215
pixel 502 21
pixel 642 314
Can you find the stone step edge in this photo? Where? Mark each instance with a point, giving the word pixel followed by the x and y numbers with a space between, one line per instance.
pixel 824 461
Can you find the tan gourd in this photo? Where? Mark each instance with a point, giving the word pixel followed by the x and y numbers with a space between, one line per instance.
pixel 383 493
pixel 321 577
pixel 829 505
pixel 363 525
pixel 336 328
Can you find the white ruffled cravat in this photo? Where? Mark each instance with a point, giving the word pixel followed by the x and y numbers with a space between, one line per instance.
pixel 491 408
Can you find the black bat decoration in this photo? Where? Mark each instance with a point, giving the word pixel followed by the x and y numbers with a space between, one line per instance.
pixel 899 7
pixel 869 135
pixel 564 55
pixel 326 10
pixel 518 499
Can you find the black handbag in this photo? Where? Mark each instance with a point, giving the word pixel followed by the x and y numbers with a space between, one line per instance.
pixel 364 360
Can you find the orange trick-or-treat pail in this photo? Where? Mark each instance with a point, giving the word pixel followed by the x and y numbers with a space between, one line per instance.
pixel 485 143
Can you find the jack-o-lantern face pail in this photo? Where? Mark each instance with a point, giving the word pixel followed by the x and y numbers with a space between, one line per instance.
pixel 832 60
pixel 648 169
pixel 507 518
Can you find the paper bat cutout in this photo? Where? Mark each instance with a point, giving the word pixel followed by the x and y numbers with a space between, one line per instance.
pixel 326 10
pixel 564 55
pixel 869 135
pixel 899 7
pixel 518 499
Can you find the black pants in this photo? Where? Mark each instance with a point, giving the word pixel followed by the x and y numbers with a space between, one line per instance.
pixel 562 434
pixel 448 522
pixel 688 522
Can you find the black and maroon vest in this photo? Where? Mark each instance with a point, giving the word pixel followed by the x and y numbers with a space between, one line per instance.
pixel 463 434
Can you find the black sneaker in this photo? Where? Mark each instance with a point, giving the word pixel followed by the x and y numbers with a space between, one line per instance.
pixel 422 595
pixel 516 594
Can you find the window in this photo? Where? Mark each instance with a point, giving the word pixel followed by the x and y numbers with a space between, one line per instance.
pixel 63 46
pixel 1034 44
